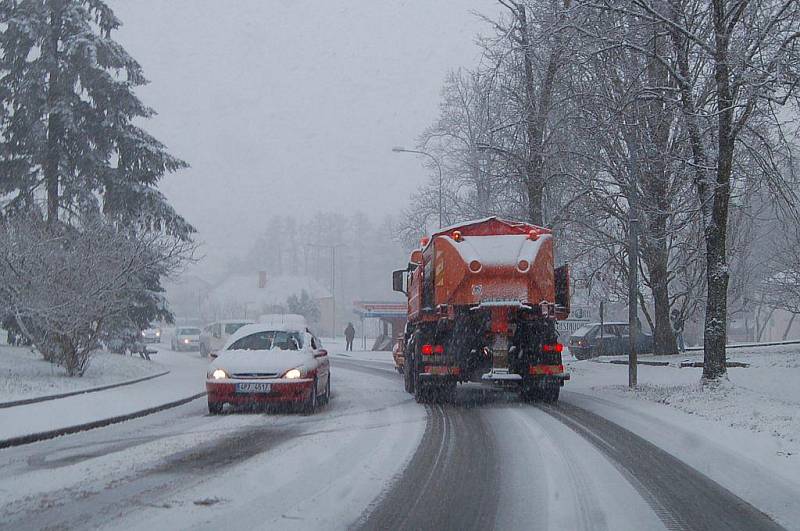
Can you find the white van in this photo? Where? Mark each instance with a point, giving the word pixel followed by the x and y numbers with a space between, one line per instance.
pixel 216 334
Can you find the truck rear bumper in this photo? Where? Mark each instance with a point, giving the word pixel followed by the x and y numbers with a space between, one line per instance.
pixel 501 375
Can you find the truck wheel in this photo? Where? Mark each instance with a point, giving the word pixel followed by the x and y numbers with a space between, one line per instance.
pixel 528 394
pixel 422 393
pixel 550 395
pixel 215 408
pixel 408 375
pixel 448 392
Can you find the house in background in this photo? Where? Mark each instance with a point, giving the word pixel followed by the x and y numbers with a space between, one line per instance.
pixel 251 295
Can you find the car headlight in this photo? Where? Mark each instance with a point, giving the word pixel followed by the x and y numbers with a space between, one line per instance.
pixel 219 374
pixel 292 374
pixel 185 340
pixel 158 332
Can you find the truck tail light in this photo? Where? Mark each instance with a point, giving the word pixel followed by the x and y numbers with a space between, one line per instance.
pixel 555 347
pixel 430 350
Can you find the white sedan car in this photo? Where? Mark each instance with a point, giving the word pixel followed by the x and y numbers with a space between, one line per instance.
pixel 267 363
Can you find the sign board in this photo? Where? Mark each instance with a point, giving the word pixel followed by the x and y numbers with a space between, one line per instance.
pixel 568 326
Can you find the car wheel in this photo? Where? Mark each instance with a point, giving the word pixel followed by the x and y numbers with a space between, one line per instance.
pixel 327 396
pixel 311 404
pixel 215 408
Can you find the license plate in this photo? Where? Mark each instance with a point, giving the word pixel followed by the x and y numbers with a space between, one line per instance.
pixel 253 387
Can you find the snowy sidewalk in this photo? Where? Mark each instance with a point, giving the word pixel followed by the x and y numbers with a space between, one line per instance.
pixel 743 433
pixel 185 379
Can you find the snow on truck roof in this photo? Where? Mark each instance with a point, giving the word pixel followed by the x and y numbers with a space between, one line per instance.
pixel 501 249
pixel 520 227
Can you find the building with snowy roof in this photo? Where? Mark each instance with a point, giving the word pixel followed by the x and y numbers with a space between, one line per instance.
pixel 248 296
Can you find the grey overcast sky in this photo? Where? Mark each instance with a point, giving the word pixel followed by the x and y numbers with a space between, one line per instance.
pixel 287 106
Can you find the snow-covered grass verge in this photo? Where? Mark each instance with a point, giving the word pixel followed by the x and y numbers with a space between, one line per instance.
pixel 732 405
pixel 764 398
pixel 24 374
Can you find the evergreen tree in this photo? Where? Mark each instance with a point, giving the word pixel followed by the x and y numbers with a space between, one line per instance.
pixel 304 305
pixel 67 129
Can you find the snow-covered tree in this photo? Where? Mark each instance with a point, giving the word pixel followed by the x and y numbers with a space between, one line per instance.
pixel 65 284
pixel 304 305
pixel 68 116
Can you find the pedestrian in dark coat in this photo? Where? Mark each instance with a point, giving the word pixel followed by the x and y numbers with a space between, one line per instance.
pixel 349 335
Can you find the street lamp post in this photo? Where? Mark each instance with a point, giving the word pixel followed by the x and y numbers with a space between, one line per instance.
pixel 438 167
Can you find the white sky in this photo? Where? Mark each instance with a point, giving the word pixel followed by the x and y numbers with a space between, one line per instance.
pixel 287 106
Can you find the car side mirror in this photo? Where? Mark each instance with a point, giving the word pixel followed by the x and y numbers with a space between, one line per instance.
pixel 213 355
pixel 320 353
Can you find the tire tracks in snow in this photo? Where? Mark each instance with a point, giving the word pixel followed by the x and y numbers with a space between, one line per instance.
pixel 682 497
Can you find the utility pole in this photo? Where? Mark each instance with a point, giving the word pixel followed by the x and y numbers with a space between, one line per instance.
pixel 333 277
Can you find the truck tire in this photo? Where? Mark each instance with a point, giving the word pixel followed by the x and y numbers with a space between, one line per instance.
pixel 550 395
pixel 448 392
pixel 408 375
pixel 528 394
pixel 422 393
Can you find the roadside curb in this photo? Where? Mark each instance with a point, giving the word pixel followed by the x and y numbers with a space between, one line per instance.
pixel 750 345
pixel 41 436
pixel 36 399
pixel 639 362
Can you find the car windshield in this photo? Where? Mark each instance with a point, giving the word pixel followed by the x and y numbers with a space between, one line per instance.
pixel 189 332
pixel 269 340
pixel 231 328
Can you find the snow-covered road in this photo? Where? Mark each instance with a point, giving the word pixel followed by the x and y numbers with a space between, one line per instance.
pixel 372 459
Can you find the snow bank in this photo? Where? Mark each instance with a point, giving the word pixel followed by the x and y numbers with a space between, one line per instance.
pixel 24 374
pixel 764 398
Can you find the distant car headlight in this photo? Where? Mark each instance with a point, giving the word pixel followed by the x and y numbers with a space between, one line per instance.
pixel 158 332
pixel 219 374
pixel 292 374
pixel 186 341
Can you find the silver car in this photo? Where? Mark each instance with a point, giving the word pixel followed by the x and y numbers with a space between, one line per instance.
pixel 186 338
pixel 152 334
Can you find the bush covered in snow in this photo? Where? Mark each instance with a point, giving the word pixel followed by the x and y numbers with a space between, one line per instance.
pixel 64 283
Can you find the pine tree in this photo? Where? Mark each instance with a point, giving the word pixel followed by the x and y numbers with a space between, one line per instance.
pixel 67 129
pixel 304 305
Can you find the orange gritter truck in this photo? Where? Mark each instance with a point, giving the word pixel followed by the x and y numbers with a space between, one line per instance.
pixel 483 300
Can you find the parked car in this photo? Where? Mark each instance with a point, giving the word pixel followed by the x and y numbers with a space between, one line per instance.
pixel 152 334
pixel 266 363
pixel 186 338
pixel 215 335
pixel 398 355
pixel 589 342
